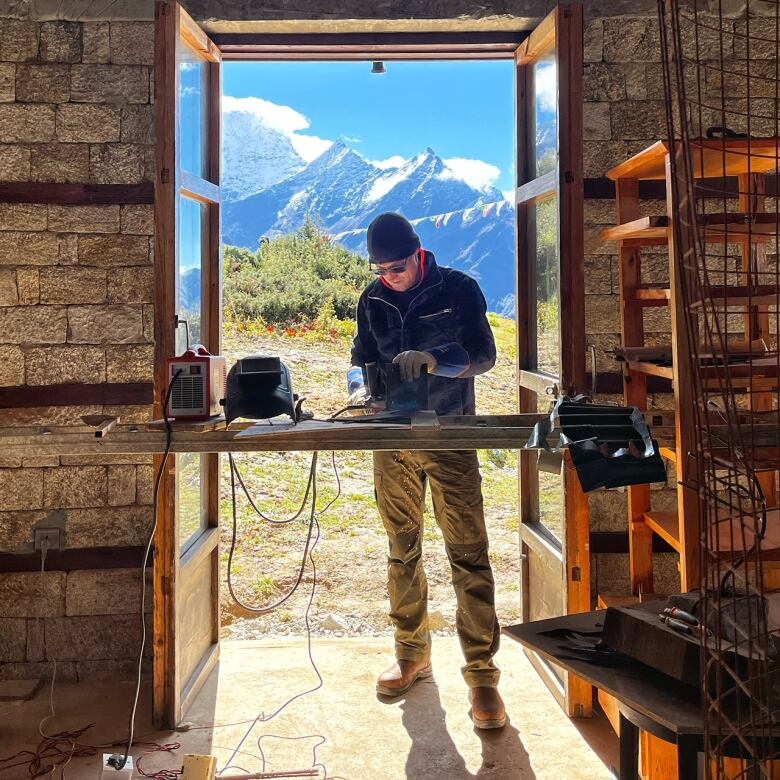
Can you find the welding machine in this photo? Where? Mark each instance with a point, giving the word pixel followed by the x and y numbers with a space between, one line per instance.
pixel 199 387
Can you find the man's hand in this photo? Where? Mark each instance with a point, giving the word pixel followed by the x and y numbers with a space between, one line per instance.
pixel 361 398
pixel 411 362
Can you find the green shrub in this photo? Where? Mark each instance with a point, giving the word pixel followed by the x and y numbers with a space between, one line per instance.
pixel 290 279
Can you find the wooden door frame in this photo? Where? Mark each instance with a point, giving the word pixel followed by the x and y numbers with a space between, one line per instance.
pixel 173 24
pixel 174 28
pixel 559 33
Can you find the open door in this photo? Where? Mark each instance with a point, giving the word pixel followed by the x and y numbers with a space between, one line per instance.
pixel 551 324
pixel 188 294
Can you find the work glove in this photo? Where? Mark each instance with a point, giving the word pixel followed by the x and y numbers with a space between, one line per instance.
pixel 410 364
pixel 360 397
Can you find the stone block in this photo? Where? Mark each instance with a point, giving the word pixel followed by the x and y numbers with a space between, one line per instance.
pixel 69 249
pixel 110 526
pixel 36 643
pixel 121 485
pixel 144 480
pixel 602 81
pixel 96 42
pixel 593 41
pixel 32 594
pixel 104 460
pixel 47 415
pixel 655 270
pixel 73 285
pixel 66 671
pixel 121 163
pixel 112 251
pixel 105 325
pixel 595 244
pixel 657 320
pixel 14 163
pixel 138 220
pixel 137 124
pixel 16 531
pixel 11 366
pixel 109 84
pixel 86 638
pixel 20 40
pixel 104 592
pixel 596 122
pixel 59 365
pixel 628 39
pixel 28 286
pixel 599 212
pixel 148 317
pixel 8 292
pixel 84 219
pixel 18 248
pixel 644 81
pixel 602 314
pixel 13 639
pixel 598 275
pixel 33 325
pixel 132 43
pixel 130 363
pixel 61 41
pixel 113 668
pixel 608 510
pixel 751 39
pixel 131 285
pixel 130 414
pixel 599 156
pixel 87 123
pixel 604 344
pixel 21 123
pixel 7 82
pixel 22 216
pixel 60 163
pixel 73 487
pixel 609 572
pixel 638 119
pixel 43 83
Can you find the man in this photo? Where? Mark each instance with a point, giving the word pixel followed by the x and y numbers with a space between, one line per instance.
pixel 416 314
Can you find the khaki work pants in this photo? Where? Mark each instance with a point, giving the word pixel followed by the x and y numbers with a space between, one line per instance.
pixel 400 478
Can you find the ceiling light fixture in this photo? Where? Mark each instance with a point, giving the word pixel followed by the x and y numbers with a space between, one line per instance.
pixel 377 66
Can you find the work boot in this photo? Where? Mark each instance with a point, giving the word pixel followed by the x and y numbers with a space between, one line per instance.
pixel 401 676
pixel 487 708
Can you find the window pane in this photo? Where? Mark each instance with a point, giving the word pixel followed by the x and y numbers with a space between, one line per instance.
pixel 193 91
pixel 547 287
pixel 546 115
pixel 189 270
pixel 189 497
pixel 551 501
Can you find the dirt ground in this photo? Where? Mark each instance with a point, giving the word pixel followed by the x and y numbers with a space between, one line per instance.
pixel 351 553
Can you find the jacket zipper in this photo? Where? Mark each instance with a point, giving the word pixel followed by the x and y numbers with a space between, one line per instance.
pixel 409 308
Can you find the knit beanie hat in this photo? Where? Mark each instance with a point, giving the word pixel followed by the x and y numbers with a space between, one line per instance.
pixel 391 237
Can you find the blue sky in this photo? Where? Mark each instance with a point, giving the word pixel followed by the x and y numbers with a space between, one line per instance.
pixel 464 111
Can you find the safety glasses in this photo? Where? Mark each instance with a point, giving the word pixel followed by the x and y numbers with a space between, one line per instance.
pixel 396 269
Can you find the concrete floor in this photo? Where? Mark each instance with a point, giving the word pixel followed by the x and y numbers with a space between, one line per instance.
pixel 425 736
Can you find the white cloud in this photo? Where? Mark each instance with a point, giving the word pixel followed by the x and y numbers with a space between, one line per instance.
pixel 509 195
pixel 282 118
pixel 396 161
pixel 477 173
pixel 546 86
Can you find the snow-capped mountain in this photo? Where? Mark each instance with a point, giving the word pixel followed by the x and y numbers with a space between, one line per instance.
pixel 467 228
pixel 254 155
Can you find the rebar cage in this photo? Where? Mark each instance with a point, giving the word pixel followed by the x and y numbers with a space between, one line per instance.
pixel 722 90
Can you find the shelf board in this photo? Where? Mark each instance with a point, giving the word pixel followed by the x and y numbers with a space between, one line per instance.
pixel 711 158
pixel 605 600
pixel 669 453
pixel 731 227
pixel 652 369
pixel 666 526
pixel 652 296
pixel 739 295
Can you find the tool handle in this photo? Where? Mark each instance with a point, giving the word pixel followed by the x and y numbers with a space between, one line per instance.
pixel 681 614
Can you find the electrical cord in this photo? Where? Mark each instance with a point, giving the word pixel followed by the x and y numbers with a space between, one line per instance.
pixel 119 763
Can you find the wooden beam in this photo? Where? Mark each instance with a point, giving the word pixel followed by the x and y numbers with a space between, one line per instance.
pixel 75 559
pixel 538 189
pixel 540 42
pixel 195 37
pixel 27 396
pixel 76 194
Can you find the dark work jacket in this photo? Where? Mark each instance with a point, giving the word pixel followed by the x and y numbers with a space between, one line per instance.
pixel 446 318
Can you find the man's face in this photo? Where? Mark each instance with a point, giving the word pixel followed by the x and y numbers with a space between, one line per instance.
pixel 400 275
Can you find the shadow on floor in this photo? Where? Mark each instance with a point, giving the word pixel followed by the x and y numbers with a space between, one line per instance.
pixel 433 754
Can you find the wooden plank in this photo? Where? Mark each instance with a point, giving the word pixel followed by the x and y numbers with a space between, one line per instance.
pixel 106 393
pixel 166 41
pixel 579 693
pixel 539 189
pixel 198 189
pixel 643 227
pixel 249 54
pixel 540 383
pixel 127 557
pixel 652 369
pixel 666 525
pixel 540 42
pixel 198 767
pixel 721 296
pixel 652 296
pixel 195 37
pixel 77 194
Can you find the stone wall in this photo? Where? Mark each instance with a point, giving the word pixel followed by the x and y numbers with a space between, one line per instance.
pixel 76 306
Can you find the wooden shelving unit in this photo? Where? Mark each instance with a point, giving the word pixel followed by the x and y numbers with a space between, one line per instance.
pixel 750 297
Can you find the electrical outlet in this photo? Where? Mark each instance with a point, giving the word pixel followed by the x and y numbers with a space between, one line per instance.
pixel 47 536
